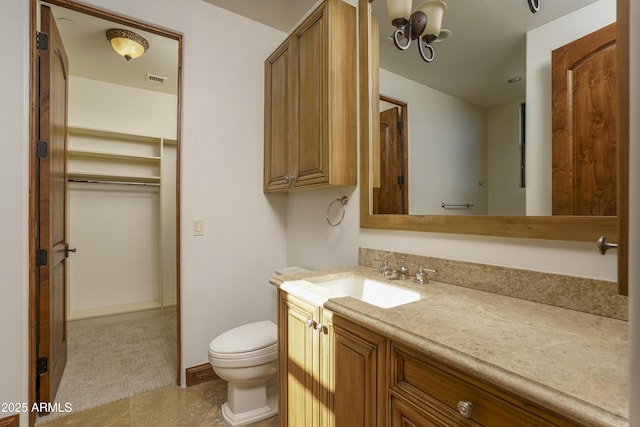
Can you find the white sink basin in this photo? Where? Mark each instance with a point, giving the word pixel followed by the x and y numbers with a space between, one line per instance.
pixel 380 294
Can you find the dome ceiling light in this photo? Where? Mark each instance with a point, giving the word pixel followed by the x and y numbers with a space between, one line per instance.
pixel 127 43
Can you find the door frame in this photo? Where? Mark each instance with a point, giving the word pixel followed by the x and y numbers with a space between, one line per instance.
pixel 33 123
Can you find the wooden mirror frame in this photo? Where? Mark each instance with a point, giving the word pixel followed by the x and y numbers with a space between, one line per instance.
pixel 568 228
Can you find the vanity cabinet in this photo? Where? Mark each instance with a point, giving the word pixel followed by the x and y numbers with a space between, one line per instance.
pixel 310 105
pixel 429 393
pixel 305 336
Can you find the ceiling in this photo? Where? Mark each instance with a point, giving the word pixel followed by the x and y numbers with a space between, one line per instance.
pixel 486 47
pixel 91 56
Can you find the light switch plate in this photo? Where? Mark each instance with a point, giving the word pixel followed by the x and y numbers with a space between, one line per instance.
pixel 198 227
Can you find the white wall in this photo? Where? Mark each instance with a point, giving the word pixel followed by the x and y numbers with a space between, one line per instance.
pixel 505 195
pixel 540 42
pixel 145 112
pixel 14 192
pixel 446 163
pixel 116 268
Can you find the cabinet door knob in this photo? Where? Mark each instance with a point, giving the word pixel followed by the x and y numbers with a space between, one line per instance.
pixel 319 327
pixel 465 408
pixel 310 323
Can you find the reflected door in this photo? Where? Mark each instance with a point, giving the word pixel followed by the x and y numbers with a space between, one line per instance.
pixel 584 125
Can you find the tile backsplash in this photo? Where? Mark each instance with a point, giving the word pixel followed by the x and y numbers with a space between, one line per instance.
pixel 577 293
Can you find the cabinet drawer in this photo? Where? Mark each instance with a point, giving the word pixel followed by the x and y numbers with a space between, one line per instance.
pixel 432 384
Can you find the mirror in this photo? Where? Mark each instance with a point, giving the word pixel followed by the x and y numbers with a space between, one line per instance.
pixel 571 228
pixel 479 162
pixel 537 224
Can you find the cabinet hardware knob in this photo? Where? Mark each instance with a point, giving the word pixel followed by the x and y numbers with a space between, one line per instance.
pixel 310 323
pixel 465 408
pixel 319 327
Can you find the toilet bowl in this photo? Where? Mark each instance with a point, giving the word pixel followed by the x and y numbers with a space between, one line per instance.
pixel 247 358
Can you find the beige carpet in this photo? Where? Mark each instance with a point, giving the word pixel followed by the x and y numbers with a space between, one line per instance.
pixel 117 357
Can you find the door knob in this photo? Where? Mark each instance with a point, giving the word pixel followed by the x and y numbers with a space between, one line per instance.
pixel 67 250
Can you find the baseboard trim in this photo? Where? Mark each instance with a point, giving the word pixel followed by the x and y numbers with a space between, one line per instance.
pixel 10 421
pixel 199 374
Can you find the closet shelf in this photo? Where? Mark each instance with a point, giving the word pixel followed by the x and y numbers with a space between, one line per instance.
pixel 112 177
pixel 112 156
pixel 73 130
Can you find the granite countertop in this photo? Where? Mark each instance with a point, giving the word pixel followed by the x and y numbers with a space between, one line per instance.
pixel 574 363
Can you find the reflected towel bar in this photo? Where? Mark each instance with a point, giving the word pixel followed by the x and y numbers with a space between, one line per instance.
pixel 454 206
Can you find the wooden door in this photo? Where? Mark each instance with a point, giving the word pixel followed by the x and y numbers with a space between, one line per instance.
pixel 51 305
pixel 390 197
pixel 584 126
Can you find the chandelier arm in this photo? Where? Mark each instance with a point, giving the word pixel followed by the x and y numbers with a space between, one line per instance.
pixel 534 5
pixel 431 50
pixel 400 32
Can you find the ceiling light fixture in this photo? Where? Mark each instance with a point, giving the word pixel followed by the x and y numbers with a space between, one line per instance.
pixel 424 24
pixel 127 43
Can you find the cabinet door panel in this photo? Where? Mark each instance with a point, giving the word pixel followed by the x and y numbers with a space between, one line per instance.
pixel 311 159
pixel 360 389
pixel 297 347
pixel 277 121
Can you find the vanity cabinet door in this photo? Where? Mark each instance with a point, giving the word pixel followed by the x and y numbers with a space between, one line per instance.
pixel 305 337
pixel 360 376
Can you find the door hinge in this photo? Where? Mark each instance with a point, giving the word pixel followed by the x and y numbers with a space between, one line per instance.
pixel 42 365
pixel 401 180
pixel 42 149
pixel 42 41
pixel 41 257
pixel 400 126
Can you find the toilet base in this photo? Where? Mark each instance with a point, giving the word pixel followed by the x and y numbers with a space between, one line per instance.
pixel 248 417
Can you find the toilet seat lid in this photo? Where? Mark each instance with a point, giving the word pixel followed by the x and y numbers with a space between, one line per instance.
pixel 246 338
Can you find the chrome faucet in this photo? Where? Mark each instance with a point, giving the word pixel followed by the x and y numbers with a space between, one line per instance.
pixel 386 270
pixel 403 270
pixel 421 275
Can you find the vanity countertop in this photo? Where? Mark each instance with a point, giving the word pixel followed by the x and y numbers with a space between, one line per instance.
pixel 571 362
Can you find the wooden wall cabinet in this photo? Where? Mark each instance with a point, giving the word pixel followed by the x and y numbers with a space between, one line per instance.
pixel 305 336
pixel 310 137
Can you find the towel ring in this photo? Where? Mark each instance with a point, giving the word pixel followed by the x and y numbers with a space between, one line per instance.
pixel 334 211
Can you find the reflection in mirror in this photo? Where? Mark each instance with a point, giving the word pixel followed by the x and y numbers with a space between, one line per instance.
pixel 389 165
pixel 466 128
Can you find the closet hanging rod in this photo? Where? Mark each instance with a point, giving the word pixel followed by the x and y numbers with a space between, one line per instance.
pixel 96 181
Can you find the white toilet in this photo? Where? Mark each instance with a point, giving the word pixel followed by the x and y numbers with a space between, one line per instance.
pixel 247 358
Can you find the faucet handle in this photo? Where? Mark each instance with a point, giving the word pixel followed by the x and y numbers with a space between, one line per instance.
pixel 421 275
pixel 386 270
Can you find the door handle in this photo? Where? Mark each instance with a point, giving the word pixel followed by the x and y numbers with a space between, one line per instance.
pixel 67 250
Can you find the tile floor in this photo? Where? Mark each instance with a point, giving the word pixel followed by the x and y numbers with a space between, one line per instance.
pixel 197 406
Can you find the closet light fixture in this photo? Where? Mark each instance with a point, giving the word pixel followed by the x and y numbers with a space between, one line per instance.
pixel 126 43
pixel 424 24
